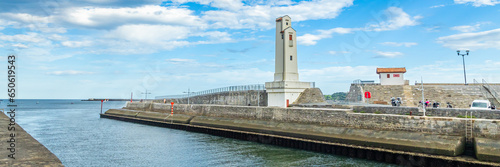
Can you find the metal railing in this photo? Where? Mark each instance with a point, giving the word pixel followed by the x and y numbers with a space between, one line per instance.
pixel 216 90
pixel 492 91
pixel 488 92
pixel 364 82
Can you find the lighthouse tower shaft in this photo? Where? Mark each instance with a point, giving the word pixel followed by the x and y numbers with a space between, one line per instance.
pixel 286 51
pixel 286 87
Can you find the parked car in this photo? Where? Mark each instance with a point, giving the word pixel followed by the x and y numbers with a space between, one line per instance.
pixel 481 105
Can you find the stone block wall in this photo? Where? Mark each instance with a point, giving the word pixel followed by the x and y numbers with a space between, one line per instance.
pixel 240 98
pixel 434 112
pixel 451 126
pixel 459 95
pixel 310 95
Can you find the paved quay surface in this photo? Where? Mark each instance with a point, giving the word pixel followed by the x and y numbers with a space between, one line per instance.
pixel 28 151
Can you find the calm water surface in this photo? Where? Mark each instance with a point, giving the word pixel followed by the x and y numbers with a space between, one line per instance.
pixel 76 134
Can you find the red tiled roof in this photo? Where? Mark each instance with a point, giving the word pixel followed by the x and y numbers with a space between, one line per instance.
pixel 391 70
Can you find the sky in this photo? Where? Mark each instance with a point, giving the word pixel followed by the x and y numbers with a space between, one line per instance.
pixel 83 49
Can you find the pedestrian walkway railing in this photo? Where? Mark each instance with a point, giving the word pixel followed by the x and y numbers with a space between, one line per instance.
pixel 492 91
pixel 214 91
pixel 488 92
pixel 364 82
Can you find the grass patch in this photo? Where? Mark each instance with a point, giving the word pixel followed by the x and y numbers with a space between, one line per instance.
pixel 377 112
pixel 461 116
pixel 355 111
pixel 362 112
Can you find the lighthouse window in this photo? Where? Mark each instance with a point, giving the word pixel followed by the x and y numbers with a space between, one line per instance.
pixel 286 23
pixel 291 58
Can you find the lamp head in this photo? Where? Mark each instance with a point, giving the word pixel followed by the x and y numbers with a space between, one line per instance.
pixel 458 52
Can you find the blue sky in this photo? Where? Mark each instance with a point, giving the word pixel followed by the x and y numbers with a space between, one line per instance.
pixel 107 48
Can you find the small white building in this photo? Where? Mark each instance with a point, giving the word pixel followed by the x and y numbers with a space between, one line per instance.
pixel 391 76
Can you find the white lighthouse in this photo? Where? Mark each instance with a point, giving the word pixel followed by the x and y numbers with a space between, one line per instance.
pixel 286 86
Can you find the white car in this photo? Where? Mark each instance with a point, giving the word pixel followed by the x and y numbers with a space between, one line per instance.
pixel 481 105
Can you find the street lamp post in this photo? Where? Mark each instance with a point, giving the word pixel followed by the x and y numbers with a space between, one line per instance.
pixel 463 60
pixel 188 92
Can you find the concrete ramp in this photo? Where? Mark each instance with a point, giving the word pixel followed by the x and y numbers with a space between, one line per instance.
pixel 28 151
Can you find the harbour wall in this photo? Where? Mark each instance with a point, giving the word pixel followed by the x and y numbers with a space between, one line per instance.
pixel 27 151
pixel 448 126
pixel 240 98
pixel 432 112
pixel 245 98
pixel 444 136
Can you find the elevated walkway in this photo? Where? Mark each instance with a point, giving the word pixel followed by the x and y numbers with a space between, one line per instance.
pixel 242 95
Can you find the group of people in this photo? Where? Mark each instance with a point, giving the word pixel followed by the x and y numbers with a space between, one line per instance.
pixel 434 104
pixel 396 101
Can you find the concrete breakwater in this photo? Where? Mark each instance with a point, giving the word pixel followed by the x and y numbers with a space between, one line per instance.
pixel 26 150
pixel 439 136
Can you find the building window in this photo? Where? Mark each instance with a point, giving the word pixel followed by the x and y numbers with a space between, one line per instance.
pixel 291 58
pixel 290 43
pixel 388 75
pixel 286 23
pixel 395 75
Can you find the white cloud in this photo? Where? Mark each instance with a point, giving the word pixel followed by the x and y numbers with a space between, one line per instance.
pixel 406 44
pixel 396 19
pixel 20 46
pixel 215 37
pixel 466 28
pixel 29 37
pixel 433 29
pixel 149 28
pixel 37 54
pixel 34 23
pixel 179 61
pixel 150 34
pixel 469 28
pixel 262 16
pixel 451 71
pixel 151 38
pixel 337 78
pixel 76 44
pixel 69 72
pixel 477 40
pixel 437 6
pixel 110 18
pixel 341 72
pixel 381 54
pixel 221 4
pixel 478 3
pixel 310 39
pixel 338 52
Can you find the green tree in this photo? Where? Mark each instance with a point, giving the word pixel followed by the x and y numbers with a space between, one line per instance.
pixel 336 96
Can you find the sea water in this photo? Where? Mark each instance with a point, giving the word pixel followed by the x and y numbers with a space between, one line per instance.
pixel 74 132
